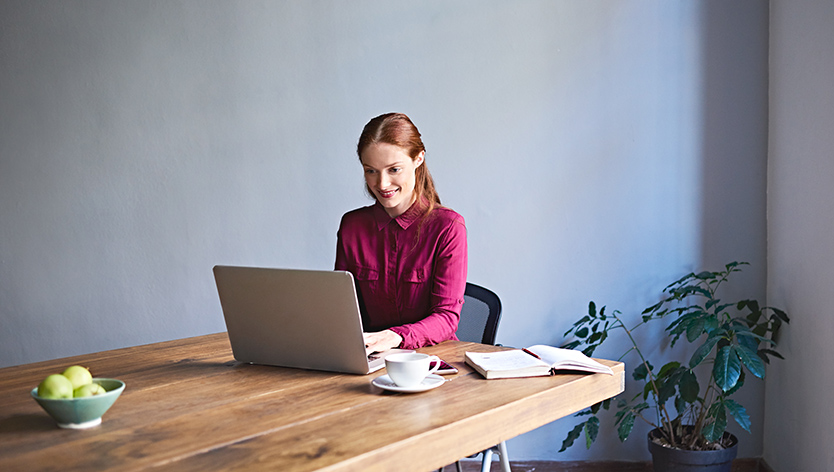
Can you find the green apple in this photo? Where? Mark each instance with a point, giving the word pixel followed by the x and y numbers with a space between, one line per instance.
pixel 55 386
pixel 78 375
pixel 88 390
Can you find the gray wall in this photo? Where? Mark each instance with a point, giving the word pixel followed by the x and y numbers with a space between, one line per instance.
pixel 597 149
pixel 800 419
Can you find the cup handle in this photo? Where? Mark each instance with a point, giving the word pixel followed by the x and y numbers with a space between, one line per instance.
pixel 436 361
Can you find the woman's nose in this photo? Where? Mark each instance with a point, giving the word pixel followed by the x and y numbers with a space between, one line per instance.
pixel 384 180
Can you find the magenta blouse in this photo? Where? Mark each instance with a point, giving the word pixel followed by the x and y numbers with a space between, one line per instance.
pixel 410 272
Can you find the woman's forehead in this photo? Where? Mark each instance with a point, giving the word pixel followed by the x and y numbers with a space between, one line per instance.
pixel 381 155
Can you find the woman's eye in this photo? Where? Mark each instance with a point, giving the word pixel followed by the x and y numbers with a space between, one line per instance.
pixel 369 171
pixel 394 170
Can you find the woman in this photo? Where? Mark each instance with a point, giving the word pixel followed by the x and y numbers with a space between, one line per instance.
pixel 406 251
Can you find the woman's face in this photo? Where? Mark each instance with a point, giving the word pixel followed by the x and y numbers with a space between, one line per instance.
pixel 391 175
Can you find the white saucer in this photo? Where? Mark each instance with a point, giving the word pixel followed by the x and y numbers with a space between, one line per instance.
pixel 431 381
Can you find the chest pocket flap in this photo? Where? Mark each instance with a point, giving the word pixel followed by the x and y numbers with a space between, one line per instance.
pixel 366 274
pixel 415 276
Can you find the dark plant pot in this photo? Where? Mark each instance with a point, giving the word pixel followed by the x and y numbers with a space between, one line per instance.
pixel 665 459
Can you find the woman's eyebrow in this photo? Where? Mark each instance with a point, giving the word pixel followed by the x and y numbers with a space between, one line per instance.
pixel 398 163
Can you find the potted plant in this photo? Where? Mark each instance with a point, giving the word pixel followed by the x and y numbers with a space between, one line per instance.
pixel 687 402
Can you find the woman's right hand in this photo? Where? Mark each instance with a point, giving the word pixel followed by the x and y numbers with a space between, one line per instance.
pixel 382 341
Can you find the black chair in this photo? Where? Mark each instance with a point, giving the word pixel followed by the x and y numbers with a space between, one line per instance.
pixel 479 319
pixel 479 316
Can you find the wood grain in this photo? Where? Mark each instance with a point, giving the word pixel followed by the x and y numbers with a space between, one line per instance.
pixel 189 405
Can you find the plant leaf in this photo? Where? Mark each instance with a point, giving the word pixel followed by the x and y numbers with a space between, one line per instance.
pixel 739 414
pixel 711 323
pixel 679 281
pixel 763 353
pixel 591 431
pixel 751 360
pixel 595 338
pixel 755 337
pixel 715 429
pixel 737 386
pixel 678 325
pixel 727 368
pixel 571 345
pixel 584 319
pixel 695 329
pixel 625 427
pixel 666 385
pixel 689 387
pixel 640 372
pixel 703 351
pixel 748 341
pixel 647 389
pixel 652 308
pixel 668 368
pixel 572 436
pixel 781 314
pixel 755 313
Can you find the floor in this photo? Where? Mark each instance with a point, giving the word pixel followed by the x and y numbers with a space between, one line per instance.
pixel 739 465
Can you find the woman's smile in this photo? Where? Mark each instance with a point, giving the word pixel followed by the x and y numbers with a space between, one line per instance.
pixel 387 193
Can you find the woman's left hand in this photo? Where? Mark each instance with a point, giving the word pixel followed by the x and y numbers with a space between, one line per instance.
pixel 382 341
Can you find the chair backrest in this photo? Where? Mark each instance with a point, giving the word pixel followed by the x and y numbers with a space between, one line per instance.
pixel 479 316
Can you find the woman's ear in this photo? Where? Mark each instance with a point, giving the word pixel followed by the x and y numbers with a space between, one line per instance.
pixel 420 158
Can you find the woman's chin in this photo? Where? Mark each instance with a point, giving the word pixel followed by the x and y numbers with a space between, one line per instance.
pixel 393 208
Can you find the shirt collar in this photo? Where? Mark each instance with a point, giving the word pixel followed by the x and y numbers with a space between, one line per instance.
pixel 414 212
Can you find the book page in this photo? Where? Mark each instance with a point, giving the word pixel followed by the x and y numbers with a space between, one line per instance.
pixel 554 355
pixel 567 358
pixel 505 360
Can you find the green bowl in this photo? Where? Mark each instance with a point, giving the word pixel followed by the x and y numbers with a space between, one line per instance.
pixel 84 412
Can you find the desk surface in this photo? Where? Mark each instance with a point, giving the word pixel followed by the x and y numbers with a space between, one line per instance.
pixel 189 405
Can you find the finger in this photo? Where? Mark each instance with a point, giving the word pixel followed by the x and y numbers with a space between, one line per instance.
pixel 370 343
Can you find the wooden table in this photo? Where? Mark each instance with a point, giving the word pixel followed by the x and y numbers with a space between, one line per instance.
pixel 189 406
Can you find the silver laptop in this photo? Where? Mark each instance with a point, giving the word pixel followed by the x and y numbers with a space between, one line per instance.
pixel 307 319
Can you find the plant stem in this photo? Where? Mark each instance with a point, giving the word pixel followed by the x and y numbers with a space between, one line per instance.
pixel 664 415
pixel 702 414
pixel 640 415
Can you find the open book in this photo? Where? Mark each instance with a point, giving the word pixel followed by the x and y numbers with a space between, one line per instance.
pixel 533 361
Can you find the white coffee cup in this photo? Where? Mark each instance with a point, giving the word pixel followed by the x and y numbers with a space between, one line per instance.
pixel 410 369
